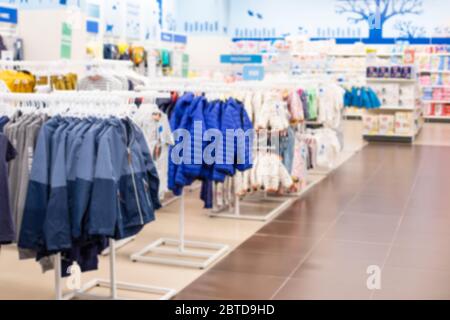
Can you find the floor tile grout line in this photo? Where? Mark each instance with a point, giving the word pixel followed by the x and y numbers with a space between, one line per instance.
pixel 314 247
pixel 402 216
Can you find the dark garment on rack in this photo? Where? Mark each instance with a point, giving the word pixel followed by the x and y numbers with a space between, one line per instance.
pixel 305 104
pixel 86 188
pixel 110 52
pixel 287 145
pixel 3 122
pixel 167 105
pixel 206 193
pixel 18 50
pixel 2 45
pixel 7 153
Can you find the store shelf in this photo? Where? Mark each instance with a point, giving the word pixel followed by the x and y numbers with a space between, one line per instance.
pixel 437 119
pixel 394 108
pixel 364 55
pixel 436 86
pixel 435 71
pixel 389 138
pixel 346 71
pixel 436 101
pixel 381 80
pixel 433 54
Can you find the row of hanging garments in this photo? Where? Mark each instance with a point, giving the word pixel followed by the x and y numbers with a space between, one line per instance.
pixel 106 79
pixel 18 81
pixel 361 97
pixel 232 155
pixel 97 77
pixel 91 178
pixel 277 109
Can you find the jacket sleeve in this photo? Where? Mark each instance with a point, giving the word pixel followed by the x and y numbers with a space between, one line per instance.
pixel 103 210
pixel 57 227
pixel 152 173
pixel 31 233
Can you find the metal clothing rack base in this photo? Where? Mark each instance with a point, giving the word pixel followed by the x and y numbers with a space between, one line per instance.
pixel 119 245
pixel 113 285
pixel 180 252
pixel 285 202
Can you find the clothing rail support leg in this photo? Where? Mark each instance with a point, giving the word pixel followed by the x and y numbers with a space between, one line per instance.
pixel 58 291
pixel 112 266
pixel 182 230
pixel 237 206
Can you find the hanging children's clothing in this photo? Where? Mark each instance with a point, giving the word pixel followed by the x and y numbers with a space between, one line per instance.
pixel 156 129
pixel 273 114
pixel 23 131
pixel 18 81
pixel 101 83
pixel 361 97
pixel 269 173
pixel 7 230
pixel 91 179
pixel 224 157
pixel 328 147
pixel 330 105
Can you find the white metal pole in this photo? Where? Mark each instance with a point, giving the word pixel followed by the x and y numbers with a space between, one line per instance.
pixel 182 243
pixel 237 206
pixel 112 268
pixel 58 292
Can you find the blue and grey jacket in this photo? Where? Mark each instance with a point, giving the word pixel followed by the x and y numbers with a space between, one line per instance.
pixel 125 187
pixel 32 231
pixel 100 181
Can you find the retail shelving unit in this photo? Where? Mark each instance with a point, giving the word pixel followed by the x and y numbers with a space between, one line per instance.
pixel 401 117
pixel 435 91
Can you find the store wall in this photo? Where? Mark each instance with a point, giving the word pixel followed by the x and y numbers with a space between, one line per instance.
pixel 324 17
pixel 204 51
pixel 42 41
pixel 202 17
pixel 318 18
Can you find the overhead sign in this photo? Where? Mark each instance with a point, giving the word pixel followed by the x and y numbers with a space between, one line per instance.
pixel 173 37
pixel 8 15
pixel 92 26
pixel 253 73
pixel 241 58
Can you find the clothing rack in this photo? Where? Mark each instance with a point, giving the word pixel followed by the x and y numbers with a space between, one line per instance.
pixel 63 64
pixel 112 283
pixel 181 252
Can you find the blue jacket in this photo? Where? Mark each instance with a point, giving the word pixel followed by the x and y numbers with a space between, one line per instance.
pixel 126 183
pixel 190 169
pixel 192 111
pixel 178 113
pixel 32 231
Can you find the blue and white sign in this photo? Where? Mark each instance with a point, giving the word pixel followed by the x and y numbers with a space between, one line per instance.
pixel 241 58
pixel 8 15
pixel 92 26
pixel 253 73
pixel 173 37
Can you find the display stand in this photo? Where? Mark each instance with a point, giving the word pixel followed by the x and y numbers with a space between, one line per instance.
pixel 180 252
pixel 111 284
pixel 119 245
pixel 284 201
pixel 415 120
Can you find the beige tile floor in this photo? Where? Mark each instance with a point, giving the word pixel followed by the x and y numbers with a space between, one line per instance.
pixel 24 280
pixel 435 134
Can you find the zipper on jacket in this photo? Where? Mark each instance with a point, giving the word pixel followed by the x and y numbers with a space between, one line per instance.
pixel 146 193
pixel 130 163
pixel 120 206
